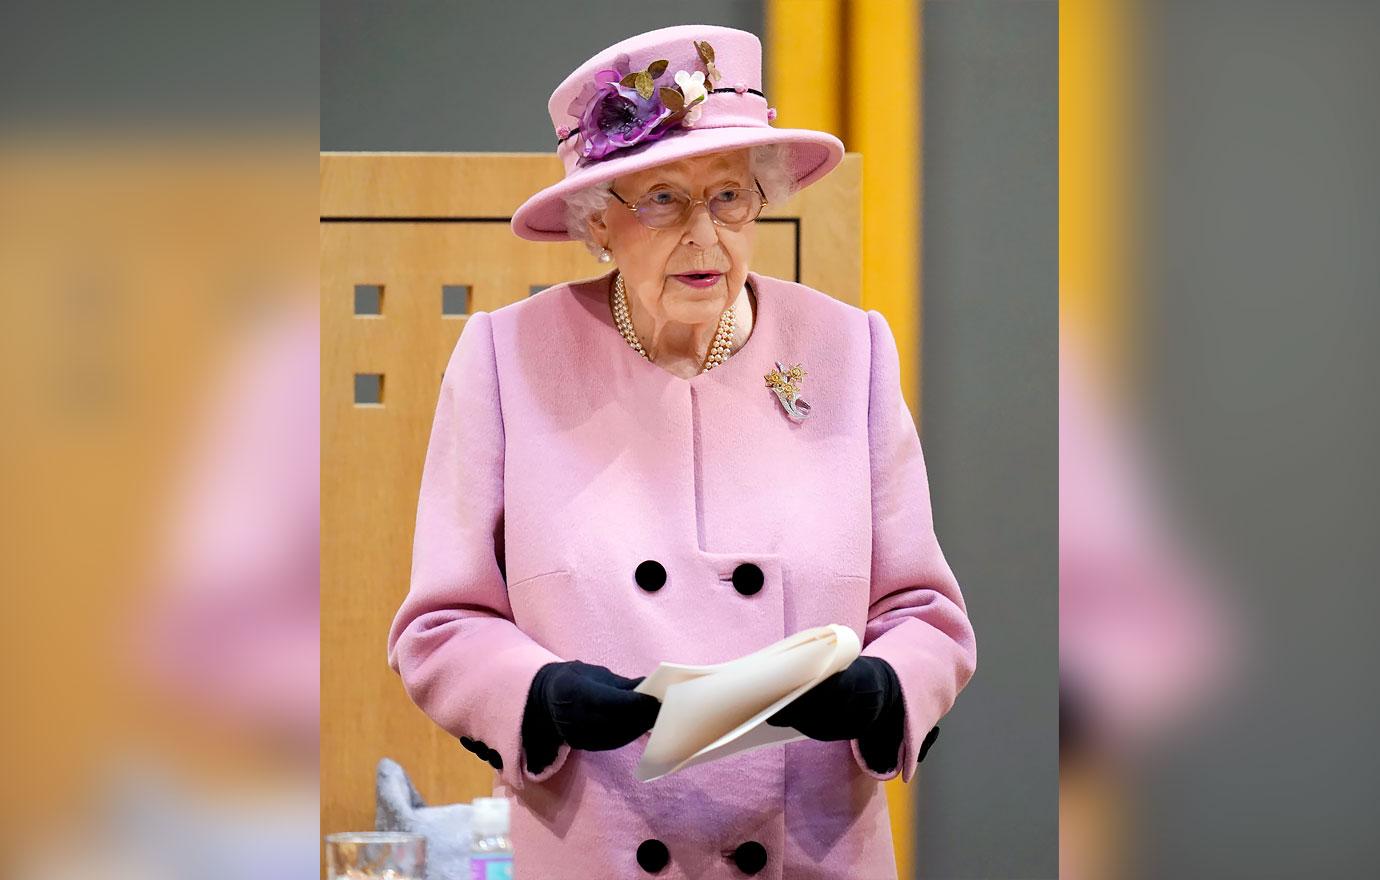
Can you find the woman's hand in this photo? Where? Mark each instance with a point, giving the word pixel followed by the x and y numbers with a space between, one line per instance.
pixel 862 702
pixel 588 706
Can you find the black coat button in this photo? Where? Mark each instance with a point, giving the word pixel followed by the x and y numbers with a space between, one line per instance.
pixel 929 741
pixel 467 743
pixel 750 857
pixel 652 855
pixel 651 575
pixel 747 578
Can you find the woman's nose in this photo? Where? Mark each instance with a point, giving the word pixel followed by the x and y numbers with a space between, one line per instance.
pixel 700 228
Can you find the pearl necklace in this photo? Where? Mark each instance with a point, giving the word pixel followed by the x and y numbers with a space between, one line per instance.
pixel 719 351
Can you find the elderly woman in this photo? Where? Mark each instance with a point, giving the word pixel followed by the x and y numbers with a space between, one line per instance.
pixel 680 460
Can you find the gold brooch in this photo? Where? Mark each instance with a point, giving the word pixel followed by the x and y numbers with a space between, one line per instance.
pixel 786 383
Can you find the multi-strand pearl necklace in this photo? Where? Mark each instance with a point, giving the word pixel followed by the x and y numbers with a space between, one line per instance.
pixel 719 351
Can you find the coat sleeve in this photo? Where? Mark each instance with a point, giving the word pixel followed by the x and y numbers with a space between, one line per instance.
pixel 917 619
pixel 461 657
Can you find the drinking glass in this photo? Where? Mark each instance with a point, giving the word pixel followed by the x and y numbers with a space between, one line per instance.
pixel 375 855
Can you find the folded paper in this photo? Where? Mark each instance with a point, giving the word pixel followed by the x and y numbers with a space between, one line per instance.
pixel 710 712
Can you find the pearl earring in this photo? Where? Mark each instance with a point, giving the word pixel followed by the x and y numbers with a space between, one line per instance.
pixel 605 255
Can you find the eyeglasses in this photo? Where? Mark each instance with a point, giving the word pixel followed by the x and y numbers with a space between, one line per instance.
pixel 667 207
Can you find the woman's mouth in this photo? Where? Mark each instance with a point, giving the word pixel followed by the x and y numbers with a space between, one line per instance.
pixel 699 279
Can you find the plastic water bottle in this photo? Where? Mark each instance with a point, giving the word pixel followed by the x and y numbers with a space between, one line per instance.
pixel 491 850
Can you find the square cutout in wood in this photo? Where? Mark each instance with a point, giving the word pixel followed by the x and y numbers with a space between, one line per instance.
pixel 369 299
pixel 368 389
pixel 455 300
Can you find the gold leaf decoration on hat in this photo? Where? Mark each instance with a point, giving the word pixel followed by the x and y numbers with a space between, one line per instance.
pixel 707 56
pixel 642 81
pixel 673 99
pixel 657 68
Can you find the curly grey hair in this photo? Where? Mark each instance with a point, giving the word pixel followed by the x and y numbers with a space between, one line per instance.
pixel 770 163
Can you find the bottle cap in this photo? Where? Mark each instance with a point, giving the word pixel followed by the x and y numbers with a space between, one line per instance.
pixel 489 816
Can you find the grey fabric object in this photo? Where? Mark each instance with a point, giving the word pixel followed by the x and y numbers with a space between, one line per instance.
pixel 446 828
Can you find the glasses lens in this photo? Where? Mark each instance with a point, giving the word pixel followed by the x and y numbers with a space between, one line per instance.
pixel 662 207
pixel 736 206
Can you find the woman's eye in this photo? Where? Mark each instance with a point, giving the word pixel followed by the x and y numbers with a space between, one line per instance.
pixel 728 195
pixel 663 197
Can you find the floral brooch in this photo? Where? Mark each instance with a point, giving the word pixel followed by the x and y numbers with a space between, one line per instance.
pixel 624 107
pixel 786 383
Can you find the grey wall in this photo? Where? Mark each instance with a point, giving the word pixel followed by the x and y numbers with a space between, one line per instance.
pixel 426 80
pixel 989 805
pixel 473 76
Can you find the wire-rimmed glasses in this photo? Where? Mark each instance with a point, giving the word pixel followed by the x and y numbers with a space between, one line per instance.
pixel 666 207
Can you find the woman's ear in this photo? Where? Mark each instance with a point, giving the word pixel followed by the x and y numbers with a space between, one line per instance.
pixel 598 230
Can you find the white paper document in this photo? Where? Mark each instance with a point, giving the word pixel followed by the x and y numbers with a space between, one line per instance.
pixel 710 712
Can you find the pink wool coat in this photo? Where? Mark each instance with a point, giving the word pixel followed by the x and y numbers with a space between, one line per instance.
pixel 560 462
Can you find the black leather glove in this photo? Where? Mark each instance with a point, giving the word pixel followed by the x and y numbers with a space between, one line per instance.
pixel 862 702
pixel 588 706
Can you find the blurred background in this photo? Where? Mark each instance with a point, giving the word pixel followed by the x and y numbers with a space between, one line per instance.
pixel 1219 273
pixel 158 440
pixel 1217 281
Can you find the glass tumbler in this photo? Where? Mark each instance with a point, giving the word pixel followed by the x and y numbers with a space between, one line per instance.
pixel 375 855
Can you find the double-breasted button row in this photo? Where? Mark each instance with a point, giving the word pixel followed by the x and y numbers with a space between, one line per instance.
pixel 493 758
pixel 750 857
pixel 747 577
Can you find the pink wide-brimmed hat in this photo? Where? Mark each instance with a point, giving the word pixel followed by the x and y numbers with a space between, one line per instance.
pixel 658 97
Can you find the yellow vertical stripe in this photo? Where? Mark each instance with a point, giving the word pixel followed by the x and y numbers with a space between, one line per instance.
pixel 883 123
pixel 1096 99
pixel 853 69
pixel 803 51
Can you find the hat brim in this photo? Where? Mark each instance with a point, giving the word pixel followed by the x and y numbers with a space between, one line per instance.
pixel 542 217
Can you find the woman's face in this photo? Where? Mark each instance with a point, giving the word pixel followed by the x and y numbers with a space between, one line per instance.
pixel 650 259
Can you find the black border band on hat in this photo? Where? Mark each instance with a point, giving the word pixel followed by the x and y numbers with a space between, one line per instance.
pixel 576 130
pixel 732 89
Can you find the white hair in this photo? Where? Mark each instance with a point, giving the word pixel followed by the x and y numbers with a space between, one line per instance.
pixel 771 164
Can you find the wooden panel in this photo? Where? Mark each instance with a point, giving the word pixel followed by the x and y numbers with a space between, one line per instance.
pixel 413 224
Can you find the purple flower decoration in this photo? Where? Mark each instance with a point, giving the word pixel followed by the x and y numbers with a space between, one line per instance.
pixel 621 107
pixel 618 116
